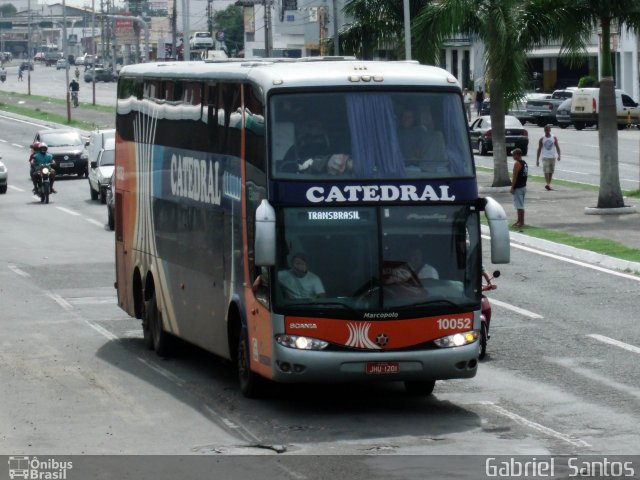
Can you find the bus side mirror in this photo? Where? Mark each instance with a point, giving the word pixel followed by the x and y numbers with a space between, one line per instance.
pixel 265 243
pixel 499 231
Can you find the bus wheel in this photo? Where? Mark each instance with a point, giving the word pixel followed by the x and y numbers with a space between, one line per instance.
pixel 483 341
pixel 250 383
pixel 159 339
pixel 424 388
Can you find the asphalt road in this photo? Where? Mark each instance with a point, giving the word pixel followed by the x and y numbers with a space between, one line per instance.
pixel 560 376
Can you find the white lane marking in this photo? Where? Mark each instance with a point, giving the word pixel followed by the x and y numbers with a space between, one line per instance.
pixel 3 141
pixel 70 212
pixel 240 429
pixel 102 331
pixel 93 300
pixel 18 271
pixel 95 222
pixel 165 373
pixel 576 442
pixel 513 308
pixel 13 119
pixel 60 301
pixel 17 189
pixel 591 375
pixel 17 145
pixel 571 260
pixel 614 342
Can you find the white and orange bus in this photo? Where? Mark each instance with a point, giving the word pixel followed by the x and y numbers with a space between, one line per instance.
pixel 312 220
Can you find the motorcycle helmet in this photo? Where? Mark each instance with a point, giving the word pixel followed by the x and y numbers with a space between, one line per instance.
pixel 35 146
pixel 43 147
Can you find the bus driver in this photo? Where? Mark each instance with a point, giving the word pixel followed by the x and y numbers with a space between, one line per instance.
pixel 299 282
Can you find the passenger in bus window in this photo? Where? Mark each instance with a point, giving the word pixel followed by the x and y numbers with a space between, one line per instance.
pixel 423 270
pixel 311 141
pixel 335 165
pixel 412 137
pixel 298 281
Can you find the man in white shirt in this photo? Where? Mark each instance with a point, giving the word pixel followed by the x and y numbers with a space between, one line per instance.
pixel 299 282
pixel 548 146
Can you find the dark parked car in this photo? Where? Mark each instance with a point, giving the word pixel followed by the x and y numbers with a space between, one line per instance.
pixel 68 150
pixel 563 114
pixel 102 75
pixel 516 136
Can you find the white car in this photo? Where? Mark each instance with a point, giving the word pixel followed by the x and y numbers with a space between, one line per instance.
pixel 4 176
pixel 61 64
pixel 101 169
pixel 201 40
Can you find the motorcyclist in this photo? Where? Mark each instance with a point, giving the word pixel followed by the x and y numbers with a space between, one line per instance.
pixel 34 149
pixel 42 158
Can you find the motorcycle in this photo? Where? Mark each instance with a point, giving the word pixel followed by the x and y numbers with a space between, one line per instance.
pixel 485 316
pixel 43 182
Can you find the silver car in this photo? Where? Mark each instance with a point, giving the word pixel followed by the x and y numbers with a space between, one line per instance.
pixel 563 114
pixel 4 176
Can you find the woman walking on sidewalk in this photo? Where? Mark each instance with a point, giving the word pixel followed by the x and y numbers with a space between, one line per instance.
pixel 519 185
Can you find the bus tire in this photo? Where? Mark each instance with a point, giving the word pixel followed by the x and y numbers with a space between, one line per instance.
pixel 160 340
pixel 251 385
pixel 422 387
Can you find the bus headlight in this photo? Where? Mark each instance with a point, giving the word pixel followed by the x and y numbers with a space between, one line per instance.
pixel 301 343
pixel 457 339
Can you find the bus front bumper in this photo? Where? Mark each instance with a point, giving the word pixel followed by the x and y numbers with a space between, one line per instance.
pixel 292 365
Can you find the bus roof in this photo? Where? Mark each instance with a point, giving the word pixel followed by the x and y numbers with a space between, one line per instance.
pixel 303 72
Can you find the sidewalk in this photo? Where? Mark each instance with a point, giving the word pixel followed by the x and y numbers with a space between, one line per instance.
pixel 564 209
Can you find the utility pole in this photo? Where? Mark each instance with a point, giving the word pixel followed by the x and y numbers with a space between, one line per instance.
pixel 186 29
pixel 268 43
pixel 64 49
pixel 174 24
pixel 29 55
pixel 336 38
pixel 322 22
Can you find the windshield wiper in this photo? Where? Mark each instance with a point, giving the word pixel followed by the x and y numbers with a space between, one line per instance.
pixel 323 304
pixel 434 302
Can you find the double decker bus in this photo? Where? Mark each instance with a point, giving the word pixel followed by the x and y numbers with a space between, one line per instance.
pixel 311 220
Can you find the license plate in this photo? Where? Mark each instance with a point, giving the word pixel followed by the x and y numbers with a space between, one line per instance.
pixel 382 368
pixel 511 144
pixel 66 165
pixel 579 109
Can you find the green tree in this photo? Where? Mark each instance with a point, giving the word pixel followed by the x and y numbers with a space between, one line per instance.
pixel 231 21
pixel 377 24
pixel 8 10
pixel 577 19
pixel 508 29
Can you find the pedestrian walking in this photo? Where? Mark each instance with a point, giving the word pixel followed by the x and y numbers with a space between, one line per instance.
pixel 479 100
pixel 19 74
pixel 468 100
pixel 549 149
pixel 519 185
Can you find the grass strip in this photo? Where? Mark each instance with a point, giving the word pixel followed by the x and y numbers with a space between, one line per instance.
pixel 598 245
pixel 47 117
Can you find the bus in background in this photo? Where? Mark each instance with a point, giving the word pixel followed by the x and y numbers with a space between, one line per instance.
pixel 312 220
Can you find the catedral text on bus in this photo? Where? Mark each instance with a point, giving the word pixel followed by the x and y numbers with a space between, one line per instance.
pixel 312 220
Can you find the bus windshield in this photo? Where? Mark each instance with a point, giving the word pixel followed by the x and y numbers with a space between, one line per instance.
pixel 377 258
pixel 369 135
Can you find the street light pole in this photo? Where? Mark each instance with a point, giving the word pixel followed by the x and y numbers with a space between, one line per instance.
pixel 66 56
pixel 29 48
pixel 93 46
pixel 407 30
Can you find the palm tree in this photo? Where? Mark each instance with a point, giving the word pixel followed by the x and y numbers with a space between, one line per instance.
pixel 508 28
pixel 577 20
pixel 377 24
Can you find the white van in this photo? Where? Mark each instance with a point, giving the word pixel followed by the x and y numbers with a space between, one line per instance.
pixel 585 107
